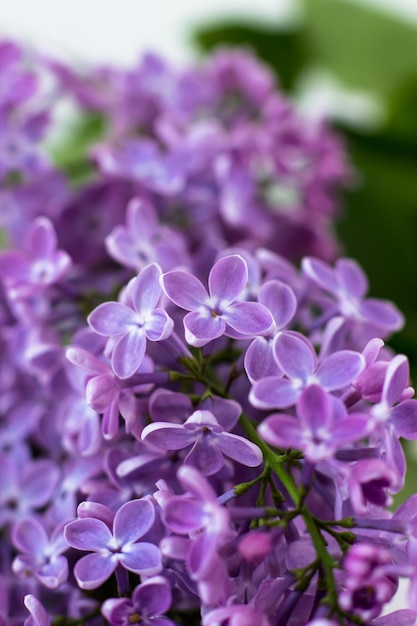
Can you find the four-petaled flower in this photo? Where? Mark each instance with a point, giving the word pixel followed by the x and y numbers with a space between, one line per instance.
pixel 217 312
pixel 131 522
pixel 133 325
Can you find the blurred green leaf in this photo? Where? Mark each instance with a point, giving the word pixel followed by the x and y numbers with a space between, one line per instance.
pixel 284 49
pixel 363 46
pixel 71 153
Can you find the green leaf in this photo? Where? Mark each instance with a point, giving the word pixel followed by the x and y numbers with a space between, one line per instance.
pixel 363 46
pixel 284 49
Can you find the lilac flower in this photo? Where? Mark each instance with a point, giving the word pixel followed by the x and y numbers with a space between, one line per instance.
pixel 235 615
pixel 322 427
pixel 347 285
pixel 143 240
pixel 39 555
pixel 131 522
pixel 149 602
pixel 296 358
pixel 217 313
pixel 41 263
pixel 208 439
pixel 369 483
pixel 131 326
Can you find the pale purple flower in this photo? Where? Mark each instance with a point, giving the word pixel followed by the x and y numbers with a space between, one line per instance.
pixel 109 549
pixel 40 555
pixel 369 483
pixel 144 240
pixel 297 359
pixel 148 603
pixel 215 313
pixel 323 426
pixel 347 286
pixel 41 263
pixel 208 439
pixel 132 326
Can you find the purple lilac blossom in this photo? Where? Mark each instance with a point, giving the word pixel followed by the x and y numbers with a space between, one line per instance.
pixel 109 549
pixel 197 171
pixel 217 312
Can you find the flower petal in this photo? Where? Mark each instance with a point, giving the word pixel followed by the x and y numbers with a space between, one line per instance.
pixel 228 278
pixel 281 431
pixel 29 536
pixel 272 392
pixel 87 534
pixel 111 318
pixel 146 289
pixel 158 325
pixel 168 436
pixel 92 570
pixel 128 353
pixel 142 558
pixel 280 299
pixel 201 329
pixel 294 355
pixel 339 369
pixel 154 595
pixel 133 520
pixel 240 449
pixel 249 318
pixel 184 290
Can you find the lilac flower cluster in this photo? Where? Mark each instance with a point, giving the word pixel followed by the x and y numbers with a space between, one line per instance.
pixel 194 430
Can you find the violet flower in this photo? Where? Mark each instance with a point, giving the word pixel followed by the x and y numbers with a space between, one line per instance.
pixel 148 603
pixel 131 522
pixel 215 313
pixel 323 426
pixel 133 325
pixel 208 439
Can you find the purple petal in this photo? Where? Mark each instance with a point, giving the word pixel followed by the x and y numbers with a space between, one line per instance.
pixel 352 277
pixel 295 356
pixel 404 419
pixel 200 329
pixel 29 536
pixel 240 449
pixel 141 219
pixel 128 353
pixel 111 318
pixel 154 595
pixel 41 238
pixel 88 534
pixel 339 369
pixel 168 436
pixel 228 278
pixel 202 556
pixel 280 299
pixel 206 456
pixel 100 391
pixel 192 481
pixel 396 379
pixel 314 408
pixel 39 616
pixel 142 558
pixel 133 520
pixel 249 318
pixel 92 570
pixel 273 392
pixel 184 515
pixel 184 290
pixel 54 573
pixel 321 273
pixel 281 431
pixel 85 360
pixel 349 430
pixel 259 360
pixel 39 481
pixel 169 406
pixel 146 289
pixel 158 325
pixel 382 314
